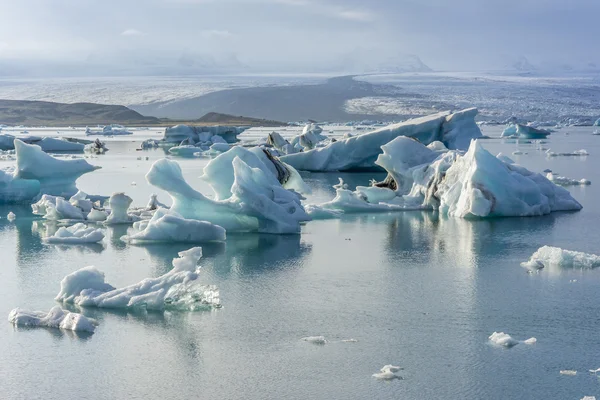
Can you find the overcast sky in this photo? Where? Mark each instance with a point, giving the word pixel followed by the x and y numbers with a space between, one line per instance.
pixel 292 35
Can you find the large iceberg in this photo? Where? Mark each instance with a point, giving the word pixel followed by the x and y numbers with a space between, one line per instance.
pixel 471 185
pixel 255 200
pixel 178 289
pixel 38 173
pixel 55 318
pixel 168 226
pixel 454 130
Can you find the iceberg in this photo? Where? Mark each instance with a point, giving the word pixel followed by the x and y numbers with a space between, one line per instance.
pixel 109 130
pixel 119 205
pixel 55 318
pixel 55 177
pixel 504 339
pixel 454 130
pixel 96 147
pixel 529 132
pixel 257 202
pixel 49 144
pixel 509 131
pixel 168 226
pixel 388 373
pixel 185 151
pixel 199 134
pixel 75 234
pixel 474 184
pixel 275 140
pixel 564 181
pixel 178 289
pixel 548 256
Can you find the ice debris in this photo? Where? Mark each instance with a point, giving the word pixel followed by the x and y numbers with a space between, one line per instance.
pixel 504 339
pixel 76 234
pixel 177 289
pixel 55 318
pixel 548 256
pixel 564 181
pixel 315 339
pixel 11 216
pixel 568 372
pixel 388 373
pixel 576 153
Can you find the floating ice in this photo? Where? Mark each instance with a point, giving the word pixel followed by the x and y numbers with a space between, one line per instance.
pixel 109 130
pixel 315 339
pixel 510 130
pixel 564 181
pixel 503 339
pixel 96 147
pixel 360 152
pixel 475 184
pixel 196 134
pixel 576 153
pixel 52 144
pixel 588 398
pixel 548 256
pixel 257 202
pixel 530 132
pixel 11 216
pixel 531 340
pixel 76 234
pixel 280 144
pixel 119 204
pixel 388 372
pixel 177 289
pixel 55 318
pixel 168 226
pixel 568 372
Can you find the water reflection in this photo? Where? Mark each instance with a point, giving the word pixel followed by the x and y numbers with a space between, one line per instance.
pixel 56 334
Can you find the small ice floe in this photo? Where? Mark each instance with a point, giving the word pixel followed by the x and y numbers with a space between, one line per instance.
pixel 554 256
pixel 55 318
pixel 595 371
pixel 133 183
pixel 568 372
pixel 11 216
pixel 178 289
pixel 564 181
pixel 576 153
pixel 76 234
pixel 315 339
pixel 349 340
pixel 388 373
pixel 588 398
pixel 505 340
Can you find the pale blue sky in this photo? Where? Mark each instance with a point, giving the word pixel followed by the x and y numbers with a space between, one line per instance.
pixel 293 35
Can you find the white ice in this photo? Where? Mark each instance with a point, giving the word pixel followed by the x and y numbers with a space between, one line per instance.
pixel 576 153
pixel 504 339
pixel 257 202
pixel 548 256
pixel 200 134
pixel 177 289
pixel 315 339
pixel 168 226
pixel 388 372
pixel 360 152
pixel 119 205
pixel 52 144
pixel 55 318
pixel 564 181
pixel 568 372
pixel 11 216
pixel 76 234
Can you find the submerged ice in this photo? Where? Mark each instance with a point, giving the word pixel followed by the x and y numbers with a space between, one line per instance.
pixel 177 289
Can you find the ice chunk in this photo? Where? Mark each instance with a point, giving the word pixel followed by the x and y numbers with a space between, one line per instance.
pixel 258 202
pixel 576 153
pixel 503 339
pixel 168 226
pixel 55 318
pixel 177 289
pixel 548 256
pixel 16 190
pixel 531 340
pixel 11 216
pixel 360 152
pixel 52 144
pixel 315 339
pixel 56 177
pixel 195 134
pixel 510 130
pixel 98 147
pixel 97 215
pixel 218 147
pixel 529 132
pixel 278 142
pixel 119 204
pixel 76 234
pixel 564 181
pixel 568 372
pixel 388 372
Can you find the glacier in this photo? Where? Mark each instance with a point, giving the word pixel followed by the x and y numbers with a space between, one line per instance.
pixel 454 130
pixel 474 184
pixel 55 318
pixel 178 289
pixel 168 226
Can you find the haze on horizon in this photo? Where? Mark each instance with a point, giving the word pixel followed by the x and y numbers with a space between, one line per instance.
pixel 164 37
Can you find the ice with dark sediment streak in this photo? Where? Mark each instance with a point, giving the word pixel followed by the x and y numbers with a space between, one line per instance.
pixel 253 198
pixel 454 130
pixel 474 184
pixel 178 289
pixel 55 318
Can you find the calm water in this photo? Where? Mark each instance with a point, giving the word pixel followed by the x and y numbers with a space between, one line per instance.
pixel 414 289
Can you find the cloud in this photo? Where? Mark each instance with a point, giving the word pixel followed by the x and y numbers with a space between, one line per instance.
pixel 132 32
pixel 217 34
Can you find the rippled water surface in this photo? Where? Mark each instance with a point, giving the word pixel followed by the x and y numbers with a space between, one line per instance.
pixel 414 289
